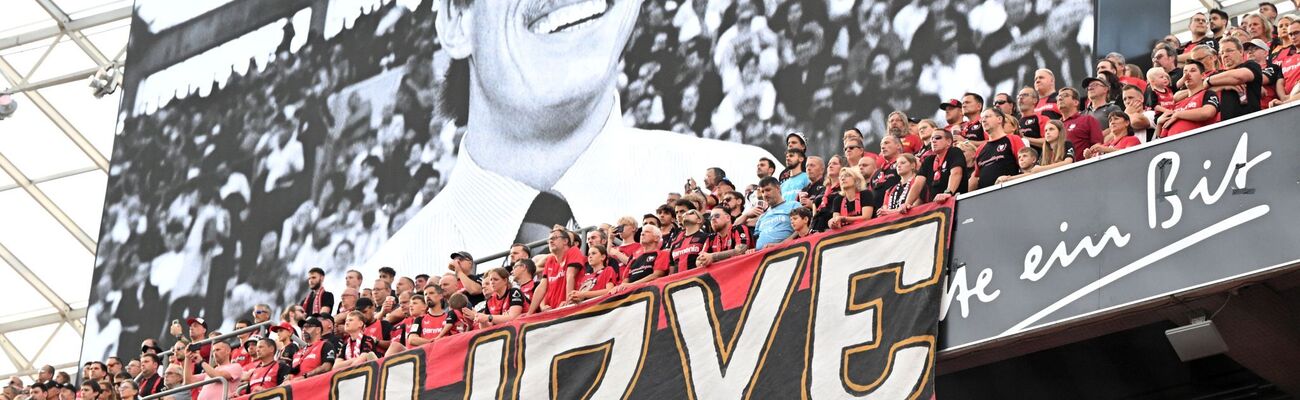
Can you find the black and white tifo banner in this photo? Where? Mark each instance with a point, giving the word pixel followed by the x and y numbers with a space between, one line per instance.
pixel 1202 208
pixel 846 314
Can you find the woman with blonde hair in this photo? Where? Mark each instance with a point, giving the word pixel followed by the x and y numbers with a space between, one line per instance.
pixel 907 192
pixel 1057 151
pixel 853 203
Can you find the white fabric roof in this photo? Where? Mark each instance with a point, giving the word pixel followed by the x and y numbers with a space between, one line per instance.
pixel 54 154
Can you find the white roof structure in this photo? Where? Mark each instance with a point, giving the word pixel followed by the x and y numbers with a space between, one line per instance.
pixel 54 152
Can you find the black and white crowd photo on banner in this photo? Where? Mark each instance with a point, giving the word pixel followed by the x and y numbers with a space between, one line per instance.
pixel 369 133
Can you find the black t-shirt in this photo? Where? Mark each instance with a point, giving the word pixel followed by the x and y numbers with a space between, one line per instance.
pixel 475 299
pixel 973 130
pixel 1235 104
pixel 997 158
pixel 937 171
pixel 884 179
pixel 645 264
pixel 852 206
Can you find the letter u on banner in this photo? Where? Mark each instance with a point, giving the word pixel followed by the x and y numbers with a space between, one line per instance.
pixel 868 336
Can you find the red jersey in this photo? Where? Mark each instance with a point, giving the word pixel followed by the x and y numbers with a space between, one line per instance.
pixel 1047 106
pixel 555 273
pixel 719 241
pixel 1082 130
pixel 456 322
pixel 239 356
pixel 1195 101
pixel 313 356
pixel 1124 142
pixel 427 326
pixel 500 305
pixel 598 280
pixel 686 249
pixel 1289 60
pixel 528 289
pixel 912 143
pixel 972 130
pixel 267 376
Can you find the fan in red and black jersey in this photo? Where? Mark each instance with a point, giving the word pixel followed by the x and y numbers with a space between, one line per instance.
pixel 268 372
pixel 149 380
pixel 649 263
pixel 600 238
pixel 319 355
pixel 971 106
pixel 686 249
pixel 504 303
pixel 886 176
pixel 727 240
pixel 358 348
pixel 1199 25
pixel 997 157
pixel 377 329
pixel 1031 122
pixel 601 278
pixel 524 273
pixel 1200 108
pixel 456 320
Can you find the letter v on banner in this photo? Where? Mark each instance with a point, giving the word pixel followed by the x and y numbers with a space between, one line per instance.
pixel 714 368
pixel 867 288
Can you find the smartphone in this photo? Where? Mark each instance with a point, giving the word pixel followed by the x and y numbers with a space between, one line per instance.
pixel 761 204
pixel 194 347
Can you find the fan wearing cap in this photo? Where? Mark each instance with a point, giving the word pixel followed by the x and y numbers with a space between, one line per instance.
pixel 951 115
pixel 319 355
pixel 198 331
pixel 462 264
pixel 269 371
pixel 283 335
pixel 793 178
pixel 561 271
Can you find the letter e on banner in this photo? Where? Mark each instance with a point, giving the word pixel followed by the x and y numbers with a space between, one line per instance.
pixel 863 340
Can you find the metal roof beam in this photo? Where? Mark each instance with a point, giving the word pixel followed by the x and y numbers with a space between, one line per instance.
pixel 75 135
pixel 80 39
pixel 87 22
pixel 55 300
pixel 75 314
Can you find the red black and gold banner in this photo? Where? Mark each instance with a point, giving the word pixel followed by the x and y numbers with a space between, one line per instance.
pixel 851 313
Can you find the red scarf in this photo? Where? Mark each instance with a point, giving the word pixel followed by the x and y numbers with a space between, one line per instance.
pixel 845 211
pixel 314 307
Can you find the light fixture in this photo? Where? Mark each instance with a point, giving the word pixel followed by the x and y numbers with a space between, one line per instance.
pixel 7 105
pixel 106 80
pixel 1197 339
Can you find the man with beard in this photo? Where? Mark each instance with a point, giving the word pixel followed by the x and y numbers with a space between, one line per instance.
pixel 885 175
pixel 726 241
pixel 795 179
pixel 529 77
pixel 319 355
pixel 1199 26
pixel 318 299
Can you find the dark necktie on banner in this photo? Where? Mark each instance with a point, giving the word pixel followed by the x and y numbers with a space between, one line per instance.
pixel 548 209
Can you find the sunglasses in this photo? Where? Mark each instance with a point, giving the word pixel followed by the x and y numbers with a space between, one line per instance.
pixel 852 148
pixel 999 102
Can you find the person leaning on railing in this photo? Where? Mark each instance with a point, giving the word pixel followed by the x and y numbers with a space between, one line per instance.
pixel 219 367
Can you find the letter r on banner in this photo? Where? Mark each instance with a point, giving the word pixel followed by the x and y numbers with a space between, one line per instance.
pixel 865 296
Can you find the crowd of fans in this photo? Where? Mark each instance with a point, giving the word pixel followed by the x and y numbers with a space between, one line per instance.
pixel 1224 72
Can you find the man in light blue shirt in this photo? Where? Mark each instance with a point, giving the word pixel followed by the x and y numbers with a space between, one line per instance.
pixel 773 217
pixel 793 179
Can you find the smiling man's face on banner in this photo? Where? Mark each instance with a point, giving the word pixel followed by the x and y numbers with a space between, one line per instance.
pixel 536 55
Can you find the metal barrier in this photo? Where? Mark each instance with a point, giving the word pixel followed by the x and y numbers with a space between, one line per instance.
pixel 166 355
pixel 534 247
pixel 225 388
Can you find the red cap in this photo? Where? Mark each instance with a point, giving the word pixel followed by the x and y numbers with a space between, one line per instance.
pixel 949 103
pixel 283 326
pixel 196 320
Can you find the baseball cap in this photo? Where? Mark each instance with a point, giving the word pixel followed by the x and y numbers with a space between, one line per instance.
pixel 196 320
pixel 1089 80
pixel 145 347
pixel 313 321
pixel 283 326
pixel 950 103
pixel 798 134
pixel 462 254
pixel 1257 43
